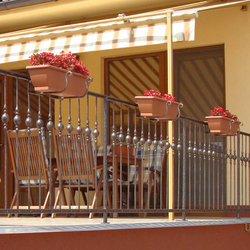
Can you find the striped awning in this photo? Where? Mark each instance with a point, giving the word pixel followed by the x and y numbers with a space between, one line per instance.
pixel 85 39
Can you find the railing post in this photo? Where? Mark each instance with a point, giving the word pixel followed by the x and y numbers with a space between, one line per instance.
pixel 5 119
pixel 105 132
pixel 170 126
pixel 171 173
pixel 238 175
pixel 184 170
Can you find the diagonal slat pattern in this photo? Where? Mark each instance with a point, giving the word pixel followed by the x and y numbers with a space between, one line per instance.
pixel 201 86
pixel 130 77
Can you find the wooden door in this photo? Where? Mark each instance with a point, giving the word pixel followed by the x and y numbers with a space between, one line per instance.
pixel 200 85
pixel 127 77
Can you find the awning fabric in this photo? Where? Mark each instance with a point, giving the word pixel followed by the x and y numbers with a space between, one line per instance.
pixel 87 40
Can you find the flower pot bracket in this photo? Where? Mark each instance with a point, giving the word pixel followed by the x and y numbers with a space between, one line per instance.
pixel 58 82
pixel 225 127
pixel 231 122
pixel 68 74
pixel 158 108
pixel 180 105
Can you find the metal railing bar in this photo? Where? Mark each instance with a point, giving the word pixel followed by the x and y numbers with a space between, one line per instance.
pixel 14 74
pixel 113 99
pixel 193 120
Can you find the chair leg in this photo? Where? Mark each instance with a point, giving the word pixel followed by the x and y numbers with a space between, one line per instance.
pixel 53 215
pixel 149 193
pixel 72 199
pixel 109 198
pixel 13 203
pixel 91 215
pixel 45 203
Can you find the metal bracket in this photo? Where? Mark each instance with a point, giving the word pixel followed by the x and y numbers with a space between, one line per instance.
pixel 230 127
pixel 180 105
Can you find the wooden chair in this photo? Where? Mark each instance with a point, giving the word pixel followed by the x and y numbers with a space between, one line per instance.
pixel 30 171
pixel 77 169
pixel 153 164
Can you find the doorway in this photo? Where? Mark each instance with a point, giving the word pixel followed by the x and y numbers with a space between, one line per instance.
pixel 199 83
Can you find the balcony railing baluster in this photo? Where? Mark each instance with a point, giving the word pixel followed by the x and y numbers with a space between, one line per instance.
pixel 179 166
pixel 200 164
pixel 50 126
pixel 204 152
pixel 17 121
pixel 5 120
pixel 184 143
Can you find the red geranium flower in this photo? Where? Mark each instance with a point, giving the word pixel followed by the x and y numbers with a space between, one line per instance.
pixel 151 92
pixel 63 60
pixel 219 111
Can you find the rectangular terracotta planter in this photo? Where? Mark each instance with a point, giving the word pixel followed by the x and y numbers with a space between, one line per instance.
pixel 50 79
pixel 221 125
pixel 155 107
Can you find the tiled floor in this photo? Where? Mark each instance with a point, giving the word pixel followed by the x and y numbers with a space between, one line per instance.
pixel 59 224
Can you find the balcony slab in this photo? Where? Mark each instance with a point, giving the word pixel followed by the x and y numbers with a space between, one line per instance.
pixel 17 225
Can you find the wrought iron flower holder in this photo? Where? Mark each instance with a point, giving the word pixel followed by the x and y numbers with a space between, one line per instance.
pixel 160 108
pixel 223 125
pixel 58 82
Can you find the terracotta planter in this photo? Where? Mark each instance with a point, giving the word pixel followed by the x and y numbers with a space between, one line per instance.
pixel 155 107
pixel 50 79
pixel 123 150
pixel 221 125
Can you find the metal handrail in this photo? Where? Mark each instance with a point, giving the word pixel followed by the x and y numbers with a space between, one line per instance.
pixel 14 74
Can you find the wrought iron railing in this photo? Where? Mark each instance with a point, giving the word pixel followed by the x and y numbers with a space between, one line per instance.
pixel 115 151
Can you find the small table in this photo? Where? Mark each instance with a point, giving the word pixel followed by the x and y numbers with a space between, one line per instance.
pixel 116 161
